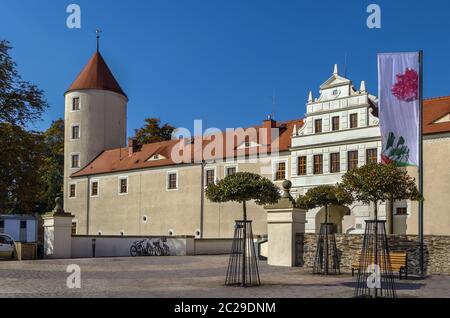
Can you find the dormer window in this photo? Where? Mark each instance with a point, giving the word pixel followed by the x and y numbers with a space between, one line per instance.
pixel 156 156
pixel 75 103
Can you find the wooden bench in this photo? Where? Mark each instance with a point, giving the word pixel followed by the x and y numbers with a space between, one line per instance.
pixel 399 263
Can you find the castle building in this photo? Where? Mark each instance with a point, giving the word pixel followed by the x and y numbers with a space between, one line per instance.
pixel 115 188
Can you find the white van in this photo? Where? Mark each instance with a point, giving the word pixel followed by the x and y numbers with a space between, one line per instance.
pixel 6 246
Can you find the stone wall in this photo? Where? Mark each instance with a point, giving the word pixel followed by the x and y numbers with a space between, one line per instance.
pixel 437 251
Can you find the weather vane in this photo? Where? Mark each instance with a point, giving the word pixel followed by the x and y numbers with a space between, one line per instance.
pixel 97 32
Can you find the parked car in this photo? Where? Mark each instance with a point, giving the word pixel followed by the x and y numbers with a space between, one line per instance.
pixel 6 246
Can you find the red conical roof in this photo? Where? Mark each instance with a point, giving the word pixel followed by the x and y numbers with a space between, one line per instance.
pixel 96 75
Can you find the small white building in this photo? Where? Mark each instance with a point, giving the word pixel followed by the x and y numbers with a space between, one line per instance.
pixel 340 132
pixel 22 228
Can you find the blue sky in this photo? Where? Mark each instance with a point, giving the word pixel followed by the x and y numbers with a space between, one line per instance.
pixel 220 60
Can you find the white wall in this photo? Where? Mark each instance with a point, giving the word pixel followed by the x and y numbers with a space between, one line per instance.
pixel 119 246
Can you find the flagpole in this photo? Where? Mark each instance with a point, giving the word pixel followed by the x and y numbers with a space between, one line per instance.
pixel 421 238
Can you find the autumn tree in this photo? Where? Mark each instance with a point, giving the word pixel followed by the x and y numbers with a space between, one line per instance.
pixel 153 131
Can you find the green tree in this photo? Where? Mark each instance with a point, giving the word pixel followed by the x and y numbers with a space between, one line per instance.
pixel 20 101
pixel 243 187
pixel 22 157
pixel 153 132
pixel 324 196
pixel 51 170
pixel 376 183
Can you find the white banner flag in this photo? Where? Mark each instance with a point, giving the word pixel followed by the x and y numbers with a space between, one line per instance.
pixel 399 107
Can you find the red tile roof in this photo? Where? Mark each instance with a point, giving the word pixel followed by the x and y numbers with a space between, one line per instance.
pixel 435 109
pixel 118 159
pixel 96 75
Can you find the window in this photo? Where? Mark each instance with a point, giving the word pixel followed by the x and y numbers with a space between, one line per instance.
pixel 371 156
pixel 76 132
pixel 335 162
pixel 94 188
pixel 2 224
pixel 23 224
pixel 301 166
pixel 76 103
pixel 72 190
pixel 318 126
pixel 352 160
pixel 210 177
pixel 123 185
pixel 401 211
pixel 280 173
pixel 75 161
pixel 229 171
pixel 353 120
pixel 74 228
pixel 172 181
pixel 335 123
pixel 318 164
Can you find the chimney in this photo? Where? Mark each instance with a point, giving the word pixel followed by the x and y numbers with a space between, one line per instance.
pixel 132 146
pixel 267 126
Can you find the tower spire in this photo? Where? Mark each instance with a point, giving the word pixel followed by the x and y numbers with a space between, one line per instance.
pixel 97 32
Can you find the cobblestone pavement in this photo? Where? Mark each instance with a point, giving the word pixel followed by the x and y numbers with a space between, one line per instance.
pixel 187 276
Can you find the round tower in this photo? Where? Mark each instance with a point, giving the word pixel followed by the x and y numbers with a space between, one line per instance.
pixel 95 120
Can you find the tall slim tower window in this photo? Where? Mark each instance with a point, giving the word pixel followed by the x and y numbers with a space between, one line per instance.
pixel 75 160
pixel 75 132
pixel 75 103
pixel 72 190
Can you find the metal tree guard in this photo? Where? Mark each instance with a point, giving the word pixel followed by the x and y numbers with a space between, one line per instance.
pixel 375 278
pixel 243 265
pixel 326 261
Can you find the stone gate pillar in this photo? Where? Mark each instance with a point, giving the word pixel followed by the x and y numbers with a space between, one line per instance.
pixel 57 232
pixel 285 230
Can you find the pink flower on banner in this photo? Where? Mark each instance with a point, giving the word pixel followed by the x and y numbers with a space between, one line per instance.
pixel 407 86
